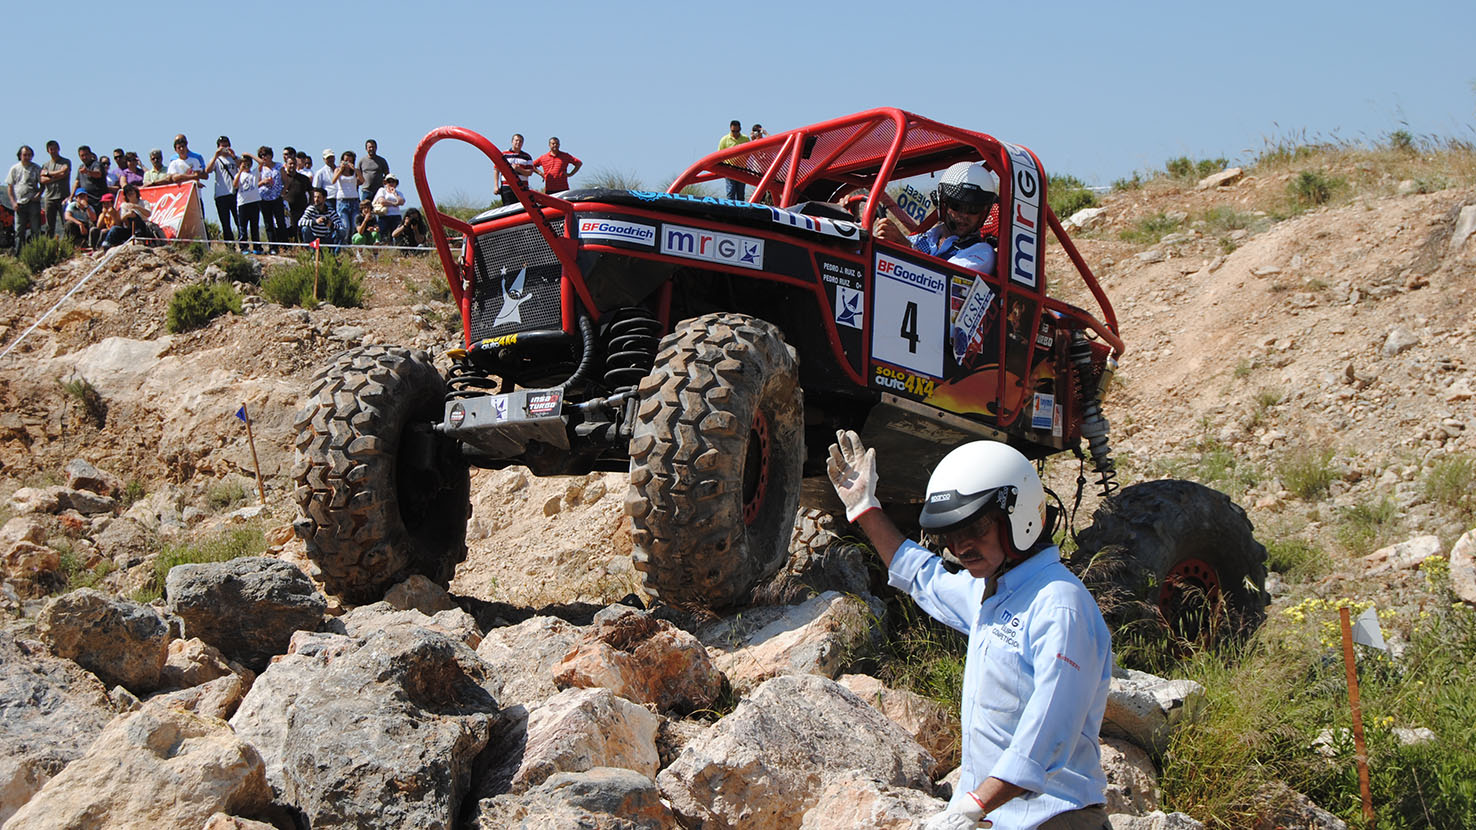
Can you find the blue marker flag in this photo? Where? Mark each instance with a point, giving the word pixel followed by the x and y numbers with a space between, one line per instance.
pixel 241 413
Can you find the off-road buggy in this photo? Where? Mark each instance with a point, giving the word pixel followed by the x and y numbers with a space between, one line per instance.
pixel 713 347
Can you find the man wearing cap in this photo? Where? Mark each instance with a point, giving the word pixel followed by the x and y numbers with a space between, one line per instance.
pixel 1039 656
pixel 372 168
pixel 323 177
pixel 79 217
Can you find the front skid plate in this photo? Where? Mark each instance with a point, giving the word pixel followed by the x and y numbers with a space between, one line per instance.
pixel 502 425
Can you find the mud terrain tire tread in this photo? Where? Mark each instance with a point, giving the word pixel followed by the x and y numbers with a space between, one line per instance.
pixel 688 452
pixel 1140 535
pixel 348 437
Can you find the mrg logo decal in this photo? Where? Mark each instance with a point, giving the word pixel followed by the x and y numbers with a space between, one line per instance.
pixel 1027 185
pixel 727 249
pixel 618 230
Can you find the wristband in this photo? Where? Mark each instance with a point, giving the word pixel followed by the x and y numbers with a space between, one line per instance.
pixel 978 801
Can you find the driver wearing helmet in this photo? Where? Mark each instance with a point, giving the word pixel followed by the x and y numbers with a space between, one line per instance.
pixel 964 196
pixel 1039 654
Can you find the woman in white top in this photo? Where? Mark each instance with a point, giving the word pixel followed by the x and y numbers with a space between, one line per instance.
pixel 387 204
pixel 248 203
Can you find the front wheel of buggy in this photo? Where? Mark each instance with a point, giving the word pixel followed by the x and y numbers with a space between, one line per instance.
pixel 381 498
pixel 715 461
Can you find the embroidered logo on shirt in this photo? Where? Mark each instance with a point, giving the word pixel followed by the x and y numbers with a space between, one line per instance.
pixel 1067 660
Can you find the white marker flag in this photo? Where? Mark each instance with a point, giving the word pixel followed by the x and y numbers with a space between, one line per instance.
pixel 1366 630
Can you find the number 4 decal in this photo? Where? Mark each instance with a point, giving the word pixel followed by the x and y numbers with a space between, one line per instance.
pixel 909 327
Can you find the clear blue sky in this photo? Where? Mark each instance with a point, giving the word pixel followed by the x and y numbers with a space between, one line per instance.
pixel 1097 89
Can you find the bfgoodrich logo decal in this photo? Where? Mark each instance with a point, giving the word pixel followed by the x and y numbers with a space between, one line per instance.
pixel 617 230
pixel 728 249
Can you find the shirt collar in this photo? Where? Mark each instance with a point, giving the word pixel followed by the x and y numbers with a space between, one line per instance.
pixel 1026 571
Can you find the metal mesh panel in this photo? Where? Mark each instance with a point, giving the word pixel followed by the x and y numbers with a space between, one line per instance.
pixel 501 260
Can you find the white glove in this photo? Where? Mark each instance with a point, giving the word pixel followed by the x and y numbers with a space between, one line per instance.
pixel 852 470
pixel 955 820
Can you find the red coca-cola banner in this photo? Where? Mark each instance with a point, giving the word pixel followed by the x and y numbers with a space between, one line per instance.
pixel 176 209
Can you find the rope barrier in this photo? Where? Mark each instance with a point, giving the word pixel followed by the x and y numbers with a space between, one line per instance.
pixel 236 243
pixel 100 263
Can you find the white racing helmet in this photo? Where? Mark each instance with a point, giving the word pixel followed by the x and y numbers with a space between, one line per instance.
pixel 969 183
pixel 981 476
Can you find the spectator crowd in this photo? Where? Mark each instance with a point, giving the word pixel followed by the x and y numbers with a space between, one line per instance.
pixel 261 203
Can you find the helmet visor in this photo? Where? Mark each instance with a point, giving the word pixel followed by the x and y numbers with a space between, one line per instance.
pixel 951 510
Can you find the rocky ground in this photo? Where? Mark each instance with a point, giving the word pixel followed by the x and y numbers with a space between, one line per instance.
pixel 1342 333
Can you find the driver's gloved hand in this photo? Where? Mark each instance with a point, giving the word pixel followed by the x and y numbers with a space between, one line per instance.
pixel 852 470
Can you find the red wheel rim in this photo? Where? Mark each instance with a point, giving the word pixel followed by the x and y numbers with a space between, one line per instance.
pixel 756 468
pixel 1191 575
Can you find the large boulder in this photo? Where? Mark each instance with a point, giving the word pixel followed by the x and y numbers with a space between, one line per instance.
pixel 1156 820
pixel 814 637
pixel 520 658
pixel 1463 567
pixel 50 711
pixel 25 560
pixel 380 731
pixel 848 803
pixel 770 761
pixel 366 619
pixel 1144 708
pixel 122 642
pixel 248 608
pixel 642 659
pixel 157 767
pixel 931 724
pixel 1132 778
pixel 603 797
pixel 573 731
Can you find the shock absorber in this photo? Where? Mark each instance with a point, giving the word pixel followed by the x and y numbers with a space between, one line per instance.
pixel 463 380
pixel 1093 426
pixel 631 338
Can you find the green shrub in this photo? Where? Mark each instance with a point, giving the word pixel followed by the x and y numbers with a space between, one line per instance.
pixel 1451 482
pixel 1367 526
pixel 44 251
pixel 131 493
pixel 612 178
pixel 1184 167
pixel 14 277
pixel 212 230
pixel 225 494
pixel 1402 141
pixel 1068 194
pixel 1150 229
pixel 196 305
pixel 1307 472
pixel 1311 188
pixel 236 266
pixel 233 544
pixel 340 283
pixel 197 251
pixel 1296 559
pixel 94 408
pixel 1133 183
pixel 77 576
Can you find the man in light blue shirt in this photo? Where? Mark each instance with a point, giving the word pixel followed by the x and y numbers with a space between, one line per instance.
pixel 1039 654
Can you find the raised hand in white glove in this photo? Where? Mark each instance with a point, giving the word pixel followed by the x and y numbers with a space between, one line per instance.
pixel 852 470
pixel 958 817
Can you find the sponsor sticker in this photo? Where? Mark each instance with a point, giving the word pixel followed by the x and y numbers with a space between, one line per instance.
pixel 898 380
pixel 499 408
pixel 1024 245
pixel 542 404
pixel 458 414
pixel 909 316
pixel 1056 424
pixel 617 230
pixel 914 203
pixel 848 307
pixel 970 317
pixel 724 248
pixel 1043 414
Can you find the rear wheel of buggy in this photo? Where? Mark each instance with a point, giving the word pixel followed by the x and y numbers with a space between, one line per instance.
pixel 380 501
pixel 715 461
pixel 1177 558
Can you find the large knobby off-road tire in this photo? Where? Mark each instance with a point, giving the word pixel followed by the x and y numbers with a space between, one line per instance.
pixel 715 461
pixel 371 517
pixel 1174 557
